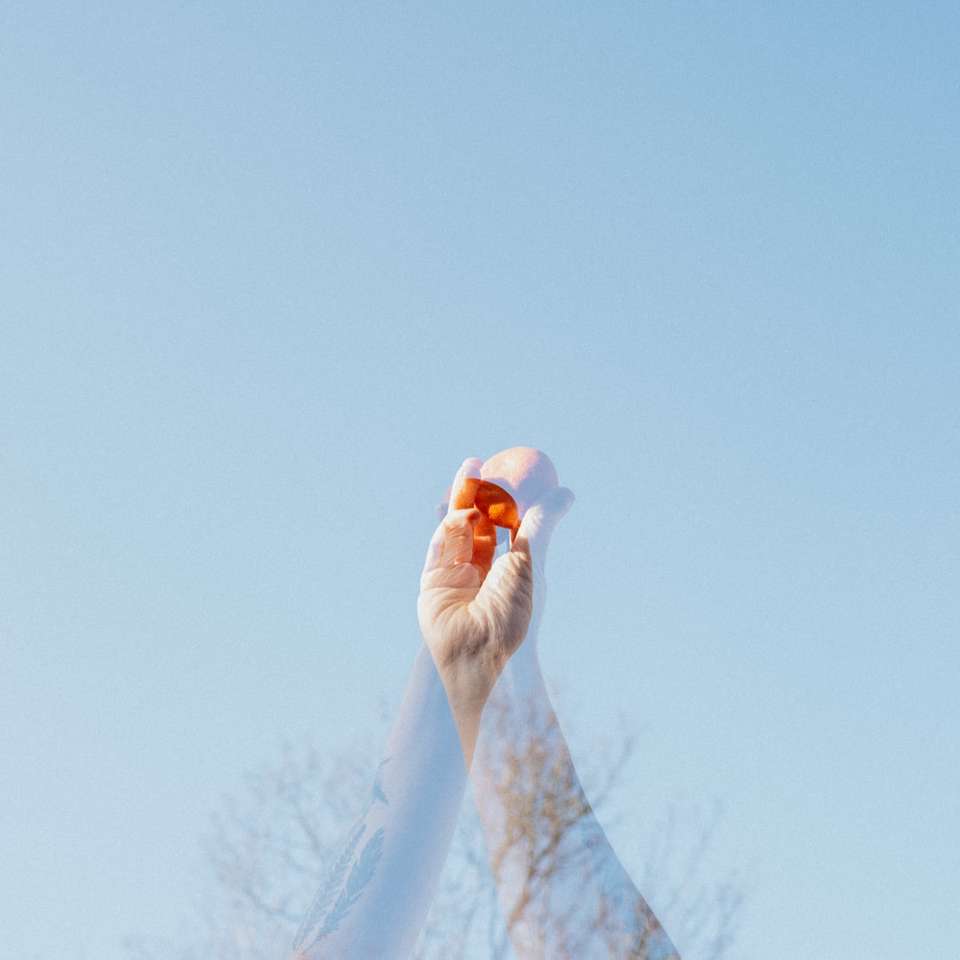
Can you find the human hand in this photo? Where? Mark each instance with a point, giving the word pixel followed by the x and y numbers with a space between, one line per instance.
pixel 474 610
pixel 530 477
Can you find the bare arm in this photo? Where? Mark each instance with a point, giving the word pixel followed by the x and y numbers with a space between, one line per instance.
pixel 377 894
pixel 562 890
pixel 473 614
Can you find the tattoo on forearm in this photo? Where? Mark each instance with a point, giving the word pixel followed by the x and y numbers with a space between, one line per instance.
pixel 336 897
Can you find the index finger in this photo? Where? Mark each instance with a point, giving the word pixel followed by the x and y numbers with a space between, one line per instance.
pixel 463 490
pixel 460 495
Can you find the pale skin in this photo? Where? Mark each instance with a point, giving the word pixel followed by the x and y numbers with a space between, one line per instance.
pixel 475 610
pixel 473 613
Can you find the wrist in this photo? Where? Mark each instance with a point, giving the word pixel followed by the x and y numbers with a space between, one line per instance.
pixel 468 682
pixel 466 708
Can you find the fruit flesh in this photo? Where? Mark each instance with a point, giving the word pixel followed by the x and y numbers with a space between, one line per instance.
pixel 498 506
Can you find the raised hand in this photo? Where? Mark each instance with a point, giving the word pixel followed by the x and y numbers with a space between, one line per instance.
pixel 562 890
pixel 473 610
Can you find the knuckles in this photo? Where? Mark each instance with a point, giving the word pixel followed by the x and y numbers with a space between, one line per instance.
pixel 460 520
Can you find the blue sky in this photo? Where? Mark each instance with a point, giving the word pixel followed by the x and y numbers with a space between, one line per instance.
pixel 270 272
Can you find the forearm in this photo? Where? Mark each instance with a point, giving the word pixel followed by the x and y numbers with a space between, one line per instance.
pixel 562 890
pixel 379 890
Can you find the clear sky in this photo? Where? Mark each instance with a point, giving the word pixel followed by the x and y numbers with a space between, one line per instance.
pixel 271 271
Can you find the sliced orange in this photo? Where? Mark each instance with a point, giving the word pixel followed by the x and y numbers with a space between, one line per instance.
pixel 498 507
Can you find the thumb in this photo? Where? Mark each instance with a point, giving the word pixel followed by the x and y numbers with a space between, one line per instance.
pixel 539 521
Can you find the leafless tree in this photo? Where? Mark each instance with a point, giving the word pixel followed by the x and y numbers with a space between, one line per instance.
pixel 270 846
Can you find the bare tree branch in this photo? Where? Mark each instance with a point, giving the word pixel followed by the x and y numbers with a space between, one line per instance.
pixel 270 847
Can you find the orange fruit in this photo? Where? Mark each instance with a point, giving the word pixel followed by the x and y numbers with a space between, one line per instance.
pixel 497 506
pixel 510 481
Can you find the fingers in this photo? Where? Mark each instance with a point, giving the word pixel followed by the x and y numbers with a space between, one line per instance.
pixel 463 490
pixel 454 540
pixel 462 516
pixel 458 528
pixel 484 544
pixel 464 535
